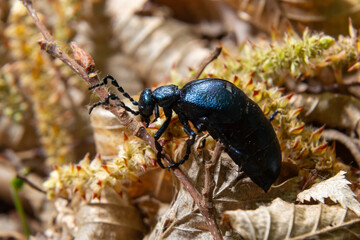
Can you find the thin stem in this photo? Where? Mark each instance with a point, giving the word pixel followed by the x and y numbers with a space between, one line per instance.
pixel 207 193
pixel 206 62
pixel 33 185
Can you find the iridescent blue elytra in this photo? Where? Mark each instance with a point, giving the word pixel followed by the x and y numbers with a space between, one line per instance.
pixel 222 109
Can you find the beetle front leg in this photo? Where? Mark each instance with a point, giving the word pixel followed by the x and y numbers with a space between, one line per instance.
pixel 189 142
pixel 158 155
pixel 168 114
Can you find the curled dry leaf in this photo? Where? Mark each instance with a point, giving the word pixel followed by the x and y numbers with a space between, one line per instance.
pixel 283 220
pixel 231 191
pixel 336 188
pixel 108 132
pixel 111 218
pixel 155 183
pixel 350 143
pixel 334 110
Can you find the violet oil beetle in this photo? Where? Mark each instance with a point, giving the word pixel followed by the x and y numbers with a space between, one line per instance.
pixel 222 109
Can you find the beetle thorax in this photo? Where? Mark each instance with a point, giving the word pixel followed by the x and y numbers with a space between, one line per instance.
pixel 166 96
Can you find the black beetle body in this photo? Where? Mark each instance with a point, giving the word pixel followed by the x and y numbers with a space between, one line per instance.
pixel 222 109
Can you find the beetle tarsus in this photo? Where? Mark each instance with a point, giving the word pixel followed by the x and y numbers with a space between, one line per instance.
pixel 273 115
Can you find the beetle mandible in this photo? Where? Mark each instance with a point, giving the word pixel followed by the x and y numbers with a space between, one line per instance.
pixel 222 109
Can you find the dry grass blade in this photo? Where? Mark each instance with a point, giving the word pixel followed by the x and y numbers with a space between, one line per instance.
pixel 283 220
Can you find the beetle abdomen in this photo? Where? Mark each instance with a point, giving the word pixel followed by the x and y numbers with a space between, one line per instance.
pixel 256 148
pixel 263 165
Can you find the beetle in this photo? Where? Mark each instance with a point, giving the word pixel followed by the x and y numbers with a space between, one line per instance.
pixel 222 109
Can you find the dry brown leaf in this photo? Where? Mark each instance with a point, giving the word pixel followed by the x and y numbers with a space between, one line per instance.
pixel 193 11
pixel 111 218
pixel 154 44
pixel 154 182
pixel 336 188
pixel 352 144
pixel 62 225
pixel 283 220
pixel 329 16
pixel 232 191
pixel 108 133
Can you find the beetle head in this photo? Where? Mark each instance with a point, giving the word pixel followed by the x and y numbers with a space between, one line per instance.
pixel 146 106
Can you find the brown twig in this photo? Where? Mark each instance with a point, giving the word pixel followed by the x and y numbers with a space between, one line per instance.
pixel 206 62
pixel 33 185
pixel 130 123
pixel 207 193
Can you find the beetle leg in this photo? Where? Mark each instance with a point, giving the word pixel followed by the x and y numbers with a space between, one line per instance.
pixel 189 142
pixel 156 113
pixel 234 150
pixel 273 115
pixel 158 155
pixel 168 114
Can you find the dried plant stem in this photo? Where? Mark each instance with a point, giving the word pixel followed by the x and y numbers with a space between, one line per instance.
pixel 31 184
pixel 206 62
pixel 34 186
pixel 130 123
pixel 207 193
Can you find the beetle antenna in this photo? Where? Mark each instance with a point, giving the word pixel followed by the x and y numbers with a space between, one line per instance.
pixel 107 102
pixel 115 84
